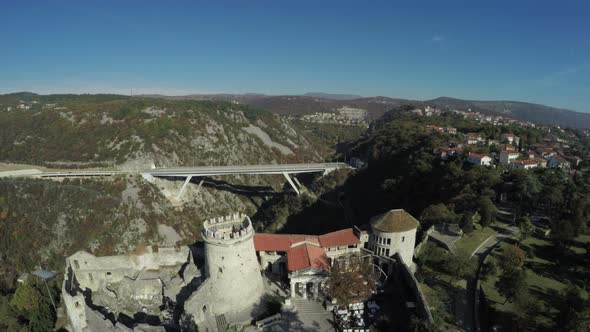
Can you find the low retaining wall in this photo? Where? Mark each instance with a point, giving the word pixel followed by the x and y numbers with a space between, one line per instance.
pixel 421 304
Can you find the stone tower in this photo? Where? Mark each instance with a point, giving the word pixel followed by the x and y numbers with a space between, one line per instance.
pixel 234 281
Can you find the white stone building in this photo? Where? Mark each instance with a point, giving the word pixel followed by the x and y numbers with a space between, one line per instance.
pixel 479 159
pixel 508 156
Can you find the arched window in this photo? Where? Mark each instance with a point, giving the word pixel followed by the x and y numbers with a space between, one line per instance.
pixel 204 308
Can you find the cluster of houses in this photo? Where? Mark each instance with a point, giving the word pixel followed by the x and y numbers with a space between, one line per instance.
pixel 347 117
pixel 28 106
pixel 551 153
pixel 496 120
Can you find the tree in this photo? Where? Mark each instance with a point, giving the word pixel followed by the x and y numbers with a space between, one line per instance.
pixel 526 309
pixel 511 283
pixel 42 319
pixel 512 258
pixel 27 298
pixel 562 233
pixel 487 210
pixel 460 266
pixel 421 325
pixel 467 222
pixel 437 214
pixel 351 279
pixel 488 269
pixel 573 309
pixel 526 226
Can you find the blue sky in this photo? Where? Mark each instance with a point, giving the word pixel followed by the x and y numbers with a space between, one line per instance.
pixel 537 51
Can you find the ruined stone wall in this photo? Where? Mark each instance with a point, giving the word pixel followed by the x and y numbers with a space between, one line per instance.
pixel 94 272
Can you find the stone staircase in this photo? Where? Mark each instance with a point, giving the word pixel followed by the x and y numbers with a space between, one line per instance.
pixel 221 322
pixel 309 307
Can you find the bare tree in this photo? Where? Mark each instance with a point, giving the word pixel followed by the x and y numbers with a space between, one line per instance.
pixel 351 279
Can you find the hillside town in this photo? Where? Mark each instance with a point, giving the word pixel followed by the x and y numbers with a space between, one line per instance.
pixel 554 152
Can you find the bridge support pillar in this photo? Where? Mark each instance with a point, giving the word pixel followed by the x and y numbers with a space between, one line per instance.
pixel 186 182
pixel 200 184
pixel 291 182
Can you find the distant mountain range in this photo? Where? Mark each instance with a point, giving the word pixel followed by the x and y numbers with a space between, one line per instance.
pixel 376 106
pixel 534 113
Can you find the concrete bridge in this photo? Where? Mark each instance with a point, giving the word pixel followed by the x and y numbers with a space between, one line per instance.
pixel 198 171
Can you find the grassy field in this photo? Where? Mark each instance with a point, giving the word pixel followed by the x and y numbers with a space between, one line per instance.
pixel 544 278
pixel 469 242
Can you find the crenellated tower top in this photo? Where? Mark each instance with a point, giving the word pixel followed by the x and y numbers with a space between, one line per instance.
pixel 228 229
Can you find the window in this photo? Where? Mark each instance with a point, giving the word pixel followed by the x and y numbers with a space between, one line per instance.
pixel 403 238
pixel 76 264
pixel 352 246
pixel 387 252
pixel 108 274
pixel 388 241
pixel 366 245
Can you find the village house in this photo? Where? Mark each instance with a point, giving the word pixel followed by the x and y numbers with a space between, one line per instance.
pixel 507 156
pixel 523 164
pixel 505 147
pixel 510 139
pixel 472 138
pixel 445 152
pixel 479 159
pixel 557 161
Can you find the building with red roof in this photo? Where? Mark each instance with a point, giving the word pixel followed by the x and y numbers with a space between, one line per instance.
pixel 524 164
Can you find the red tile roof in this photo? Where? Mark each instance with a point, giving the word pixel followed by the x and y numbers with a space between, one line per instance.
pixel 305 251
pixel 305 256
pixel 342 237
pixel 477 155
pixel 525 162
pixel 271 242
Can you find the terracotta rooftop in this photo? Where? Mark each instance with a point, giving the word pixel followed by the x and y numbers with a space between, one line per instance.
pixel 305 256
pixel 525 162
pixel 342 237
pixel 305 251
pixel 477 155
pixel 394 221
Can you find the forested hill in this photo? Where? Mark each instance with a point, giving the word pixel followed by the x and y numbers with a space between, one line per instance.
pixel 530 112
pixel 106 130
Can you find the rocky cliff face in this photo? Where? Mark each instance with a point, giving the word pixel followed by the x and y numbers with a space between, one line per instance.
pixel 135 133
pixel 45 220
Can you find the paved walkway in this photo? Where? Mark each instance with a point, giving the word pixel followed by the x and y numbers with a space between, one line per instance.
pixel 465 306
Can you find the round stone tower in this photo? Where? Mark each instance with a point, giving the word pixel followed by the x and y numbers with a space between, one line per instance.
pixel 234 281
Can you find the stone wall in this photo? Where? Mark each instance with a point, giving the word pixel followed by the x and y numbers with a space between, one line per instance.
pixel 408 277
pixel 94 272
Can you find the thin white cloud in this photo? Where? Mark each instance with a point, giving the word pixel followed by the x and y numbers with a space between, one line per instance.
pixel 437 39
pixel 564 75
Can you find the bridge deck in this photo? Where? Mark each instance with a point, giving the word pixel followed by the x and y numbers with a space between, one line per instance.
pixel 207 170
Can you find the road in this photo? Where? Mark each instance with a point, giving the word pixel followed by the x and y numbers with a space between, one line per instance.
pixel 467 304
pixel 188 171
